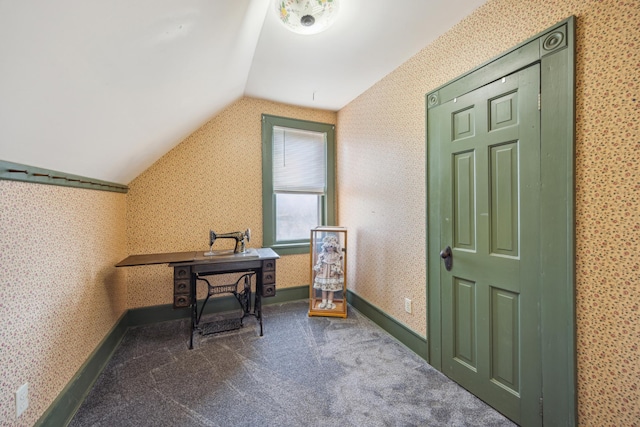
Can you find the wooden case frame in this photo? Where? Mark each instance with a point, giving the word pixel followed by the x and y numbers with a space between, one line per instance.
pixel 328 271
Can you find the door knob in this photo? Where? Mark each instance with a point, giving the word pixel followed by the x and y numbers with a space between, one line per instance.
pixel 447 256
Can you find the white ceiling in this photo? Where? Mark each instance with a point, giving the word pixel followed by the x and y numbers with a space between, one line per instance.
pixel 104 88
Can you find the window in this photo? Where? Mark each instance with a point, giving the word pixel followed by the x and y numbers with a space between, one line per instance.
pixel 297 181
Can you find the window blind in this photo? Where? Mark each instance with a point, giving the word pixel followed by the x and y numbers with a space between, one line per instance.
pixel 299 161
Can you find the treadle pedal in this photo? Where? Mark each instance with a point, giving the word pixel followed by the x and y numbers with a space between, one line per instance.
pixel 220 326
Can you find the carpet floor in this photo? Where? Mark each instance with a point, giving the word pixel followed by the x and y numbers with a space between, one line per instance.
pixel 304 371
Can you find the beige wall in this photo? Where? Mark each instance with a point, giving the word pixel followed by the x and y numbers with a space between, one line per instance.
pixel 381 176
pixel 212 180
pixel 60 293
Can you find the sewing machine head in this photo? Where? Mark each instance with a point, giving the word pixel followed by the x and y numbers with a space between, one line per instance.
pixel 239 236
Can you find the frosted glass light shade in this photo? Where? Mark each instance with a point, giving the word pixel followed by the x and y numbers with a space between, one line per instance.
pixel 306 16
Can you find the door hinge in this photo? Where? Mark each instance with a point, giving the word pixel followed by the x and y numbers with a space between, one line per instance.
pixel 541 407
pixel 539 102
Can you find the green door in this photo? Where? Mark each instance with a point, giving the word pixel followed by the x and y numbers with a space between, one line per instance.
pixel 489 173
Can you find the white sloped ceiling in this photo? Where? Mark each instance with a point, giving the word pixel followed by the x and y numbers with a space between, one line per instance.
pixel 104 88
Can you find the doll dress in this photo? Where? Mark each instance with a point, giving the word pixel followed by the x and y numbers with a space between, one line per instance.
pixel 329 274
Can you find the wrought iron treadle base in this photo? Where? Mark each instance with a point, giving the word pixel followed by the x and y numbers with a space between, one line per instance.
pixel 219 326
pixel 243 297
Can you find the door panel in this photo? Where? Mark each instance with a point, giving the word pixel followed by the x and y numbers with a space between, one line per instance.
pixel 504 199
pixel 489 157
pixel 505 334
pixel 465 322
pixel 464 195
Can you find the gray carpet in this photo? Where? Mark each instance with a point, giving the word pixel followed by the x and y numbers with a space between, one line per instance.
pixel 304 371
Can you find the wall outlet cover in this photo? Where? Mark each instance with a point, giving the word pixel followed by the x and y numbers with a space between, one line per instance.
pixel 22 399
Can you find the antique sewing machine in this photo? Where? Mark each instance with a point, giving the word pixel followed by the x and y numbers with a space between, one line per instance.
pixel 256 266
pixel 239 236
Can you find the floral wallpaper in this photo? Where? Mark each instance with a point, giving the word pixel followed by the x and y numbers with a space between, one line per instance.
pixel 381 176
pixel 211 180
pixel 60 293
pixel 58 245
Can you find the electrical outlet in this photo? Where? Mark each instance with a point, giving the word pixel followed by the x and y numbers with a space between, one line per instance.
pixel 407 305
pixel 22 399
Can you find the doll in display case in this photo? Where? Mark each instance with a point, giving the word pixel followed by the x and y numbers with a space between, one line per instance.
pixel 327 271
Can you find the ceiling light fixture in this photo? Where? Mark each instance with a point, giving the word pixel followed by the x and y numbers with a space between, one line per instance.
pixel 306 16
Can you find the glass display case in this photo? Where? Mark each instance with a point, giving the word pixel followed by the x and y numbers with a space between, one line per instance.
pixel 328 288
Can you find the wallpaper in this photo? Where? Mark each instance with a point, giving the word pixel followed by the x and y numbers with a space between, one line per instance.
pixel 381 175
pixel 60 294
pixel 211 180
pixel 59 291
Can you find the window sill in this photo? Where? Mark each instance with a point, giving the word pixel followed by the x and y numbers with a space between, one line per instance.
pixel 291 249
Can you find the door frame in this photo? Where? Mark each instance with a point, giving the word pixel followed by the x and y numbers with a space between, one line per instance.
pixel 554 49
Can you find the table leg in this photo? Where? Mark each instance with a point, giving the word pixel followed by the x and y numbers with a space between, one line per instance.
pixel 194 308
pixel 258 309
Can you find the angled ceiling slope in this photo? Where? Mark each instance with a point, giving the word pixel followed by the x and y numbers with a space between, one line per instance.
pixel 104 89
